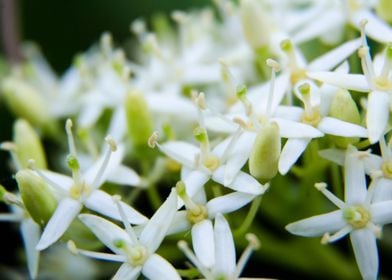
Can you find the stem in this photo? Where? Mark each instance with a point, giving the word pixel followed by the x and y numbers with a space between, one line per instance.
pixel 9 25
pixel 249 217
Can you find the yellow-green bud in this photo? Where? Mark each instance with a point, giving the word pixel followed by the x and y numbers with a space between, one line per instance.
pixel 28 145
pixel 264 157
pixel 343 107
pixel 384 10
pixel 139 119
pixel 25 101
pixel 36 195
pixel 255 24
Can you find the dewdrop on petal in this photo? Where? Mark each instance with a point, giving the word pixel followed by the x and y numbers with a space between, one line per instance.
pixel 37 198
pixel 28 145
pixel 384 10
pixel 25 101
pixel 264 157
pixel 344 108
pixel 139 119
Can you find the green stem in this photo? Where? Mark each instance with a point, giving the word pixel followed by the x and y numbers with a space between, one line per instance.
pixel 249 217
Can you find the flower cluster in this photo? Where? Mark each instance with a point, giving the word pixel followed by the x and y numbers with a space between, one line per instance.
pixel 211 114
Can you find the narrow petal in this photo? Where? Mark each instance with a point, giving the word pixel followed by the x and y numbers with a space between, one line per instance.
pixel 381 212
pixel 294 129
pixel 334 57
pixel 203 243
pixel 243 182
pixel 158 268
pixel 158 226
pixel 105 231
pixel 63 216
pixel 355 82
pixel 377 114
pixel 335 155
pixel 338 127
pixel 127 272
pixel 228 203
pixel 31 233
pixel 375 28
pixel 193 182
pixel 318 225
pixel 123 175
pixel 59 182
pixel 354 178
pixel 172 105
pixel 181 152
pixel 118 124
pixel 291 152
pixel 225 259
pixel 365 250
pixel 103 203
pixel 180 223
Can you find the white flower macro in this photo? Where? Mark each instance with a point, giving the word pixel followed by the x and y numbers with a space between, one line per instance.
pixel 136 253
pixel 223 264
pixel 357 216
pixel 82 190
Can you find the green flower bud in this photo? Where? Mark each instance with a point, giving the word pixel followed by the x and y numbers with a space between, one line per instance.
pixel 384 10
pixel 264 157
pixel 28 145
pixel 25 101
pixel 139 119
pixel 344 108
pixel 37 198
pixel 255 24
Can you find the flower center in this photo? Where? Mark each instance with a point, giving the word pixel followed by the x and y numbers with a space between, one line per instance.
pixel 357 216
pixel 386 168
pixel 79 190
pixel 382 83
pixel 197 214
pixel 137 254
pixel 297 75
pixel 211 162
pixel 311 117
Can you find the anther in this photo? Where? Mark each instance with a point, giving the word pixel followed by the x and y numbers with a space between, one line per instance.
pixel 153 139
pixel 111 142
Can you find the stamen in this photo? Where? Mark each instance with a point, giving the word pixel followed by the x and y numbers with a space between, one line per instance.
pixel 192 257
pixel 254 244
pixel 31 165
pixel 364 54
pixel 181 192
pixel 387 62
pixel 71 142
pixel 327 238
pixel 12 199
pixel 11 148
pixel 231 144
pixel 112 148
pixel 275 67
pixel 287 46
pixel 96 255
pixel 201 136
pixel 322 187
pixel 153 140
pixel 199 100
pixel 106 43
pixel 128 227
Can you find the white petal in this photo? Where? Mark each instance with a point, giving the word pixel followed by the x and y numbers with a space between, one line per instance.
pixel 293 113
pixel 203 243
pixel 123 175
pixel 228 203
pixel 375 28
pixel 365 250
pixel 181 152
pixel 354 178
pixel 381 212
pixel 318 225
pixel 293 129
pixel 31 233
pixel 335 155
pixel 194 182
pixel 220 124
pixel 127 272
pixel 118 124
pixel 243 182
pixel 158 226
pixel 172 105
pixel 103 203
pixel 334 57
pixel 377 114
pixel 225 259
pixel 291 151
pixel 157 268
pixel 66 211
pixel 383 190
pixel 90 114
pixel 180 223
pixel 338 127
pixel 60 182
pixel 105 231
pixel 355 82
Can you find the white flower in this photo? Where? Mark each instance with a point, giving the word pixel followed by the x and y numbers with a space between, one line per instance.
pixel 376 80
pixel 357 216
pixel 136 253
pixel 82 190
pixel 223 264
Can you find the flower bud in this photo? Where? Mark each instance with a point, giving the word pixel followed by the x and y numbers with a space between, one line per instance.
pixel 384 10
pixel 264 157
pixel 139 119
pixel 37 198
pixel 25 101
pixel 28 145
pixel 343 107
